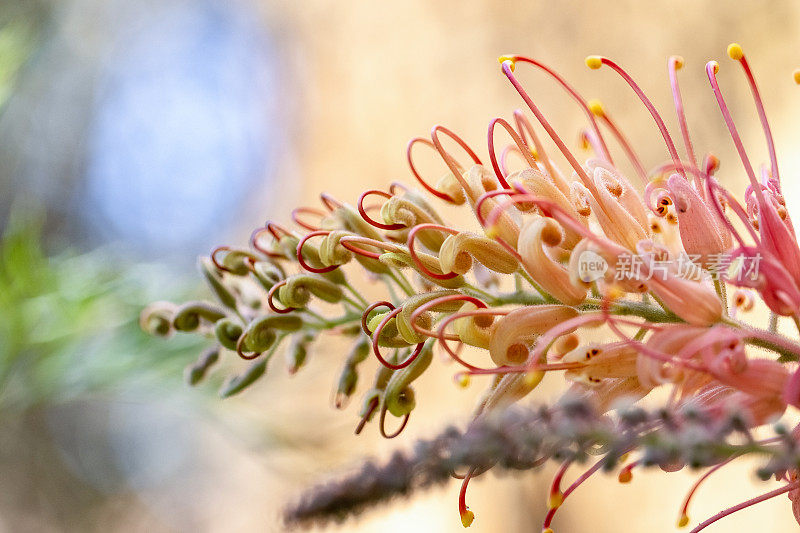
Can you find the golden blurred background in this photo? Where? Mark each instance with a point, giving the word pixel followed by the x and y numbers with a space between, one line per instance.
pixel 164 127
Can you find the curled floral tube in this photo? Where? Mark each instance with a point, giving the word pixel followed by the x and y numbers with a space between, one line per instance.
pixel 525 128
pixel 452 194
pixel 601 361
pixel 695 302
pixel 255 241
pixel 262 333
pixel 362 211
pixel 271 296
pixel 464 335
pixel 459 250
pixel 613 205
pixel 472 325
pixel 297 290
pixel 426 265
pixel 445 273
pixel 515 333
pixel 382 321
pixel 520 144
pixel 537 241
pixel 446 302
pixel 537 184
pixel 298 211
pixel 235 260
pixel 302 261
pixel 410 209
pixel 653 372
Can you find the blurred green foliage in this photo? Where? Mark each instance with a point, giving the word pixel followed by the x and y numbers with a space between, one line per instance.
pixel 19 31
pixel 68 322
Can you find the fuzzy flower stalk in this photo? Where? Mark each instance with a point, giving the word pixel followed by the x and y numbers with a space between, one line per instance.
pixel 663 266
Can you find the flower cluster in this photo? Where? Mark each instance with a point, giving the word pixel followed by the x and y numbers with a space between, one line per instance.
pixel 515 287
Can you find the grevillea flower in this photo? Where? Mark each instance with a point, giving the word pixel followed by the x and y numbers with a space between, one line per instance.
pixel 559 257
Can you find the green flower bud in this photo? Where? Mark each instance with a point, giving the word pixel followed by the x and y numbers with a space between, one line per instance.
pixel 348 379
pixel 267 273
pixel 351 221
pixel 403 320
pixel 188 316
pixel 403 260
pixel 156 318
pixel 298 351
pixel 411 209
pixel 389 336
pixel 235 260
pixel 299 289
pixel 331 252
pixel 216 283
pixel 399 396
pixel 346 386
pixel 360 351
pixel 239 383
pixel 262 332
pixel 228 330
pixel 197 371
pixel 288 246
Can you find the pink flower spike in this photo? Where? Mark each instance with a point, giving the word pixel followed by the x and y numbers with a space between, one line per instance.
pixel 601 144
pixel 711 70
pixel 597 108
pixel 673 65
pixel 508 71
pixel 595 62
pixel 735 52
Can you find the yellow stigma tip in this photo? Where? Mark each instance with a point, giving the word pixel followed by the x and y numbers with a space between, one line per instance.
pixel 596 107
pixel 547 530
pixel 555 500
pixel 625 476
pixel 466 518
pixel 796 75
pixel 683 521
pixel 594 62
pixel 463 381
pixel 678 62
pixel 735 51
pixel 492 232
pixel 512 59
pixel 715 66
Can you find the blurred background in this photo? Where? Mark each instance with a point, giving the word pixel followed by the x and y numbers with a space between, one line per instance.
pixel 135 135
